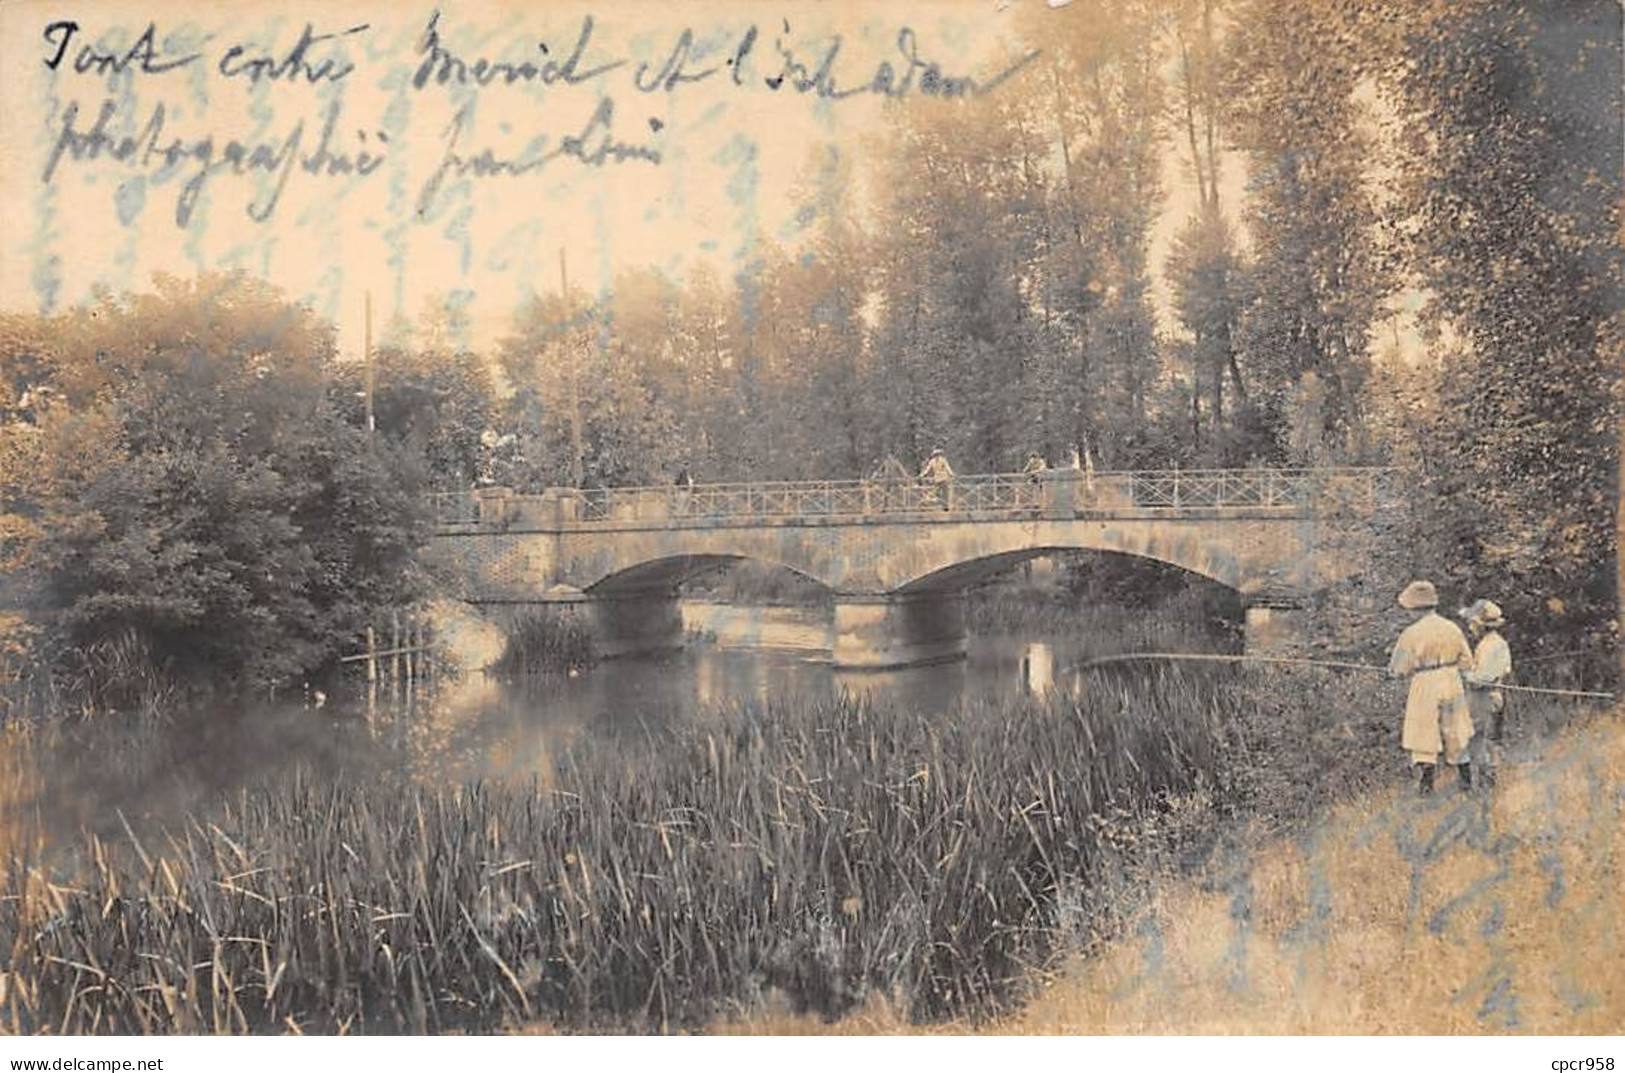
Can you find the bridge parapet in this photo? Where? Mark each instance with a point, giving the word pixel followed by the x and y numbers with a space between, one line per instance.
pixel 1063 493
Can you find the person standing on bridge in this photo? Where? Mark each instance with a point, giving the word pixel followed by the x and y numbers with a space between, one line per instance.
pixel 1034 471
pixel 685 490
pixel 1492 665
pixel 1432 652
pixel 940 474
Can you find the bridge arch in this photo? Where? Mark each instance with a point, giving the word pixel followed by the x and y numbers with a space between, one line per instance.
pixel 665 573
pixel 963 565
pixel 968 573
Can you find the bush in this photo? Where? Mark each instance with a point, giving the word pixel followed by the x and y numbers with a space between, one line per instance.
pixel 182 485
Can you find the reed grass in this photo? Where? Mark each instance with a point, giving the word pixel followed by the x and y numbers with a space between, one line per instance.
pixel 112 676
pixel 1491 912
pixel 546 641
pixel 826 855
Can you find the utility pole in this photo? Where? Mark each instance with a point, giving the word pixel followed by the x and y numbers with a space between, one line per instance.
pixel 366 358
pixel 372 427
pixel 577 478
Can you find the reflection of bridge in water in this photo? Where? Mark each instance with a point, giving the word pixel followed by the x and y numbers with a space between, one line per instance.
pixel 897 554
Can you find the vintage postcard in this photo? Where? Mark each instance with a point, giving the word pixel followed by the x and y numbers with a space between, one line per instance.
pixel 996 517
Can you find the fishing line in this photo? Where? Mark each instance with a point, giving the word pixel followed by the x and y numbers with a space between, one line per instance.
pixel 1215 657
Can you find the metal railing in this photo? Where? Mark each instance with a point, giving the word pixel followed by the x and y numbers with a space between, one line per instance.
pixel 811 499
pixel 1049 493
pixel 1190 489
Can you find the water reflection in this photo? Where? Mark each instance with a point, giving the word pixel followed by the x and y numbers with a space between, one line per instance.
pixel 1038 668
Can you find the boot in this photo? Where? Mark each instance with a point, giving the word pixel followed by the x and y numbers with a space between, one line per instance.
pixel 1426 785
pixel 1466 771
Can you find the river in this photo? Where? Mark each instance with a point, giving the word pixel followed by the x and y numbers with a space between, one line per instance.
pixel 480 728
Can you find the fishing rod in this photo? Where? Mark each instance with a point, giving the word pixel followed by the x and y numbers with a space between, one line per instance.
pixel 1526 660
pixel 1216 657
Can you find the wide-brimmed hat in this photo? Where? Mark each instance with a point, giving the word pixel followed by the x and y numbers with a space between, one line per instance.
pixel 1419 594
pixel 1486 613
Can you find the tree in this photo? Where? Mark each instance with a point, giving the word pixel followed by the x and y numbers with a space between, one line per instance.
pixel 562 355
pixel 1096 106
pixel 1512 186
pixel 957 283
pixel 1209 288
pixel 1205 268
pixel 1289 79
pixel 435 403
pixel 199 492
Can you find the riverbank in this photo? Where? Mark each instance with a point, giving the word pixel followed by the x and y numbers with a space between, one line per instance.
pixel 1459 914
pixel 1453 915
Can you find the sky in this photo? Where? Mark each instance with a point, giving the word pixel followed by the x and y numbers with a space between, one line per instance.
pixel 84 211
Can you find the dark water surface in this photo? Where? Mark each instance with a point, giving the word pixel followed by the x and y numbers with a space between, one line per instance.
pixel 477 727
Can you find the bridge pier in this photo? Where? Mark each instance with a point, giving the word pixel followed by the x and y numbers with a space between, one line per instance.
pixel 898 629
pixel 1276 629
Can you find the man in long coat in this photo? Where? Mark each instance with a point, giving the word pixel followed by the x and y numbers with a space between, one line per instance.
pixel 1432 652
pixel 940 475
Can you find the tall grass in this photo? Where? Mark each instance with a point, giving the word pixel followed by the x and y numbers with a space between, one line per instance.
pixel 115 674
pixel 825 853
pixel 1454 914
pixel 546 641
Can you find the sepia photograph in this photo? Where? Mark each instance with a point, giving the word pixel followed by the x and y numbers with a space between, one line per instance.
pixel 1087 520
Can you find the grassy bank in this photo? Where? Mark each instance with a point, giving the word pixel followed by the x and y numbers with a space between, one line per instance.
pixel 1384 913
pixel 1459 914
pixel 825 853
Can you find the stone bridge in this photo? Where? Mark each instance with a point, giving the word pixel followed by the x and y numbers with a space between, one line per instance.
pixel 897 555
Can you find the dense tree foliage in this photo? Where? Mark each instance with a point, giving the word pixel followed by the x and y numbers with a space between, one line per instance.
pixel 1512 132
pixel 986 280
pixel 180 474
pixel 435 403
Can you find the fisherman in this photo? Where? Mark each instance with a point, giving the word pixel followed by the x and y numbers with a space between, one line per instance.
pixel 1432 652
pixel 1492 665
pixel 940 474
